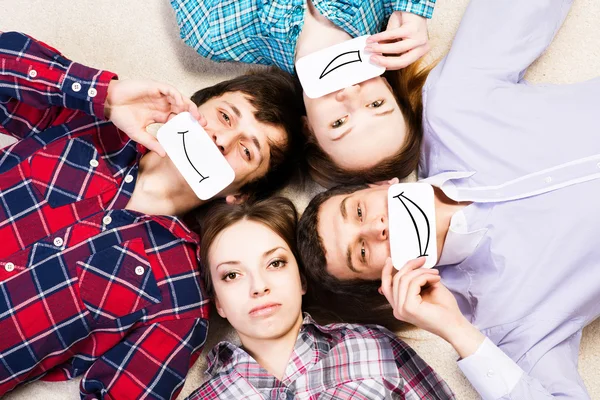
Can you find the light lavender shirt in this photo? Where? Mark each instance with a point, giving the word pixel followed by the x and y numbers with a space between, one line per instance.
pixel 523 260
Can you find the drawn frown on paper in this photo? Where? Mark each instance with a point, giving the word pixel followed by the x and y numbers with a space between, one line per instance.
pixel 188 157
pixel 340 60
pixel 415 212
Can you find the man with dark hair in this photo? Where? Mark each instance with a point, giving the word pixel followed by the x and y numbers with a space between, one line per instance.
pixel 98 275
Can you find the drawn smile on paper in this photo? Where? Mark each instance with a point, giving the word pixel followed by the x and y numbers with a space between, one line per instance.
pixel 422 246
pixel 188 157
pixel 339 61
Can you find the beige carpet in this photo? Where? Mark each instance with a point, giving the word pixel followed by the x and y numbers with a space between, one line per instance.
pixel 139 39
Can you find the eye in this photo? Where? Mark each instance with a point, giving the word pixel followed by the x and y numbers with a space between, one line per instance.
pixel 376 104
pixel 363 252
pixel 359 212
pixel 226 118
pixel 247 153
pixel 339 122
pixel 230 276
pixel 277 264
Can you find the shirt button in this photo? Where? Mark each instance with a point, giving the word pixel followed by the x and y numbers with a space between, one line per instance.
pixel 76 86
pixel 58 242
pixel 128 179
pixel 139 270
pixel 415 1
pixel 9 267
pixel 548 179
pixel 490 373
pixel 298 10
pixel 92 92
pixel 294 31
pixel 33 73
pixel 282 396
pixel 107 220
pixel 94 163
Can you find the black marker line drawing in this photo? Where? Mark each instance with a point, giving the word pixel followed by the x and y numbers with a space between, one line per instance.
pixel 188 157
pixel 350 61
pixel 422 253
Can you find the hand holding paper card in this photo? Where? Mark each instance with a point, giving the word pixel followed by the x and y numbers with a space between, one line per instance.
pixel 411 213
pixel 336 67
pixel 196 156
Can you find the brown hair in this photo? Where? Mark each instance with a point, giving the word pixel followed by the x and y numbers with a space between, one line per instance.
pixel 354 301
pixel 407 85
pixel 278 101
pixel 276 213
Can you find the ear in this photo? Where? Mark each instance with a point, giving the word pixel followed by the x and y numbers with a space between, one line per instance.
pixel 236 198
pixel 391 182
pixel 220 310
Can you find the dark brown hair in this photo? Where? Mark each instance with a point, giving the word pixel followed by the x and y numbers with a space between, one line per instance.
pixel 407 85
pixel 278 102
pixel 332 299
pixel 276 213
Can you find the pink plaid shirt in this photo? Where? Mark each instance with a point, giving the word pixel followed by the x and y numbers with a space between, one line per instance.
pixel 337 361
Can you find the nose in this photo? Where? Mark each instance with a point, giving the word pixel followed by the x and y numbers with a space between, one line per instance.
pixel 259 287
pixel 347 94
pixel 223 140
pixel 376 229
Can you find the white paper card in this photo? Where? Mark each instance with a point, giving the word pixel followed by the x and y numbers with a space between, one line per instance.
pixel 411 213
pixel 195 155
pixel 336 67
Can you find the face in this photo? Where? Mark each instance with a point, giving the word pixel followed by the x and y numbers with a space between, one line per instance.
pixel 358 126
pixel 355 235
pixel 256 281
pixel 244 141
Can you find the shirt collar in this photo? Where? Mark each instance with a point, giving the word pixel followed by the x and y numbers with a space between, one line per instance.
pixel 226 355
pixel 460 241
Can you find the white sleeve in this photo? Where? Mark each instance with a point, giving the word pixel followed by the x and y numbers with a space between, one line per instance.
pixel 500 39
pixel 554 375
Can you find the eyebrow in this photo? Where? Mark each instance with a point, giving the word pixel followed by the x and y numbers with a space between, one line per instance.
pixel 349 260
pixel 273 250
pixel 227 263
pixel 347 131
pixel 265 254
pixel 344 213
pixel 236 110
pixel 343 208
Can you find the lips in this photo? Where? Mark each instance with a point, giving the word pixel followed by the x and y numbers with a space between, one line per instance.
pixel 264 310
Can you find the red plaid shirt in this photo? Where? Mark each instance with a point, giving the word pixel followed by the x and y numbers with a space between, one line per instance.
pixel 86 287
pixel 337 361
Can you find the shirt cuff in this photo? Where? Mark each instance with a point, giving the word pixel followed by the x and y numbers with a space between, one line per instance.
pixel 86 89
pixel 491 372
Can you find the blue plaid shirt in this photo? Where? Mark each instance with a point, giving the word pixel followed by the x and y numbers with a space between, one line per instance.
pixel 265 32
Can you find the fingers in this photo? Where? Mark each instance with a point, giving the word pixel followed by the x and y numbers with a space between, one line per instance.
pixel 396 47
pixel 401 286
pixel 402 61
pixel 150 142
pixel 390 34
pixel 386 281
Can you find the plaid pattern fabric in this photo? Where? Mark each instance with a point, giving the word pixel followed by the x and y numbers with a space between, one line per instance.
pixel 338 361
pixel 86 287
pixel 266 32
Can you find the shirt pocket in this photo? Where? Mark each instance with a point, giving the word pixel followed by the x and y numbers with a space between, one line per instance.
pixel 117 282
pixel 69 171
